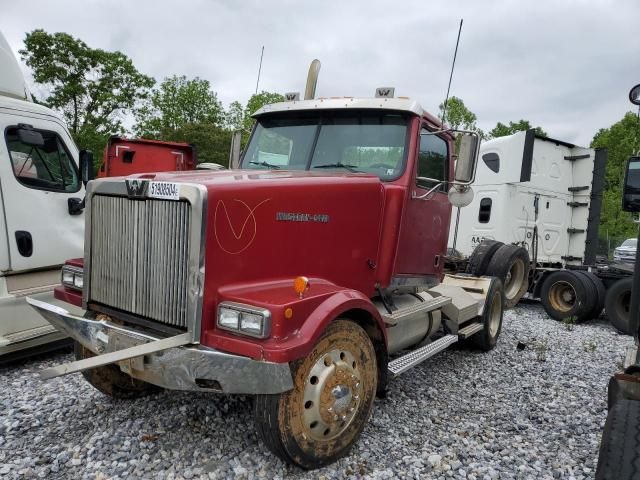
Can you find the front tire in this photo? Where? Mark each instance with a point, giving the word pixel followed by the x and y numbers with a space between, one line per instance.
pixel 111 381
pixel 334 387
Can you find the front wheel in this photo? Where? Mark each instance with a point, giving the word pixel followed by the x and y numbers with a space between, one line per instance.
pixel 322 417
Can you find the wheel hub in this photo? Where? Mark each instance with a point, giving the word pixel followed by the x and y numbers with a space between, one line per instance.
pixel 331 395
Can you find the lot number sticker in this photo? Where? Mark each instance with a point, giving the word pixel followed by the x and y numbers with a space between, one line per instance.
pixel 164 190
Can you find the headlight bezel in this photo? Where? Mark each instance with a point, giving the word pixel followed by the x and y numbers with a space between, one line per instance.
pixel 240 309
pixel 75 273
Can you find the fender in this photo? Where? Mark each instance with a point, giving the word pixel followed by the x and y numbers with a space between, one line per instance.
pixel 292 338
pixel 302 342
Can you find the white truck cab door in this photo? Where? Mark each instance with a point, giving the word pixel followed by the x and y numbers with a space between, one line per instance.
pixel 36 183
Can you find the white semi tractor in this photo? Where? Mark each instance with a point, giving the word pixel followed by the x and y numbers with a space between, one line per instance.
pixel 41 225
pixel 534 222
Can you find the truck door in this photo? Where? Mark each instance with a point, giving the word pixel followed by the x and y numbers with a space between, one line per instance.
pixel 36 183
pixel 425 224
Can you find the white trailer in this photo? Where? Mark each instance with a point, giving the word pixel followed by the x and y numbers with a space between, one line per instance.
pixel 541 196
pixel 41 191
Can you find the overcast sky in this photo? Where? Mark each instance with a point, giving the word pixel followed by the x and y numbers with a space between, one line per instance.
pixel 565 66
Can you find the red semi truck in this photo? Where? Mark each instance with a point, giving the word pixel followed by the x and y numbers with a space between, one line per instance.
pixel 307 277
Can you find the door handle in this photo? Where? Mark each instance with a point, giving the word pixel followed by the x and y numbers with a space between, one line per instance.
pixel 75 205
pixel 24 242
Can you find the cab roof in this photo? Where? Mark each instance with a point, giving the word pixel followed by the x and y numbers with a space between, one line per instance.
pixel 402 104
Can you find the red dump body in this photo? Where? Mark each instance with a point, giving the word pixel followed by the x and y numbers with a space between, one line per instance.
pixel 123 156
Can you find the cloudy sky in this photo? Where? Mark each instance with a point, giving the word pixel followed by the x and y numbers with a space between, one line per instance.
pixel 564 65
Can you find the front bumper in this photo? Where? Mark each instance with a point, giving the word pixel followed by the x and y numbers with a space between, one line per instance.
pixel 167 362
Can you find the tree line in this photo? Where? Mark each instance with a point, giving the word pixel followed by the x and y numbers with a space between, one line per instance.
pixel 97 91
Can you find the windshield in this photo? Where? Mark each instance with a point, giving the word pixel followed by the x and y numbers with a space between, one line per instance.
pixel 370 142
pixel 631 242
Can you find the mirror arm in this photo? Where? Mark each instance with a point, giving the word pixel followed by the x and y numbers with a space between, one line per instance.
pixel 429 192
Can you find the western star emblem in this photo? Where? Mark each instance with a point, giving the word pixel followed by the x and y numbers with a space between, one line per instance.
pixel 137 188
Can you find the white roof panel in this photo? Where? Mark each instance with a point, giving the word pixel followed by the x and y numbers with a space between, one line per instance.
pixel 398 104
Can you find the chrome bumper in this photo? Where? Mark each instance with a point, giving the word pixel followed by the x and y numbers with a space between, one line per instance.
pixel 171 363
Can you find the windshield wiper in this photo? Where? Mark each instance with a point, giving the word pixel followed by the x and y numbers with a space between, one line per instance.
pixel 351 168
pixel 265 164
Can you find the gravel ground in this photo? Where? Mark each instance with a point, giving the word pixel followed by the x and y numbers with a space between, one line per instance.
pixel 532 413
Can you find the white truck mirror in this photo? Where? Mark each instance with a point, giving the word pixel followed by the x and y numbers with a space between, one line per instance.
pixel 234 154
pixel 467 155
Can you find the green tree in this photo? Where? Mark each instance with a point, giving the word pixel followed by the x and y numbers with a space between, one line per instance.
pixel 93 89
pixel 212 142
pixel 234 118
pixel 502 130
pixel 177 102
pixel 256 102
pixel 457 115
pixel 621 140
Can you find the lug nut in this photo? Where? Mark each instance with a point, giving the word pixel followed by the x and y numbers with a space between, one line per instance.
pixel 335 417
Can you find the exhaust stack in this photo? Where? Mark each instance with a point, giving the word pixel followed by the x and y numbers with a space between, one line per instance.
pixel 312 80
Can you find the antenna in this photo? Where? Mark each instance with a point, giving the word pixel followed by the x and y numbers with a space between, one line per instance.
pixel 455 54
pixel 260 69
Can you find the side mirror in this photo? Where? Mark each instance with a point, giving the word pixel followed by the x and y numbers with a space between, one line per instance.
pixel 467 157
pixel 234 154
pixel 631 188
pixel 31 137
pixel 86 166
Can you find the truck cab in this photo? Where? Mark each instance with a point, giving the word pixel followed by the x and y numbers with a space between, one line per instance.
pixel 40 222
pixel 307 277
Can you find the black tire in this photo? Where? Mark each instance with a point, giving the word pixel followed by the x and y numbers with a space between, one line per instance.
pixel 492 314
pixel 619 457
pixel 111 381
pixel 511 265
pixel 481 256
pixel 564 295
pixel 618 303
pixel 600 294
pixel 311 426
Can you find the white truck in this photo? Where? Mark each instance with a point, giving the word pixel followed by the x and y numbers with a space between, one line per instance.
pixel 534 223
pixel 41 194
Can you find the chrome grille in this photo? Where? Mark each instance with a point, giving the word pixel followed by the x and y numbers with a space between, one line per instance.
pixel 140 257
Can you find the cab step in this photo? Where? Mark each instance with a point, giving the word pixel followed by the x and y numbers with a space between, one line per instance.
pixel 413 358
pixel 428 305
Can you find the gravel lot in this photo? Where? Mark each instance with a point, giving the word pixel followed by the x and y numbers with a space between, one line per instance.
pixel 535 413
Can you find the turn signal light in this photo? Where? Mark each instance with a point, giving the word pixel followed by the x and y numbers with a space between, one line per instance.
pixel 301 285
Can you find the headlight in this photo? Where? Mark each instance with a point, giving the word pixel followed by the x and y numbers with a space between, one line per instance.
pixel 72 277
pixel 244 319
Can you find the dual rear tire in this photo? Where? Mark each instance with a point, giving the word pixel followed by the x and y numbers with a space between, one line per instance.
pixel 509 263
pixel 572 295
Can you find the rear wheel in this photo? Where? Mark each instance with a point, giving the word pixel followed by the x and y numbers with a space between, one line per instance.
pixel 511 265
pixel 564 295
pixel 618 305
pixel 110 380
pixel 598 293
pixel 492 313
pixel 481 256
pixel 322 417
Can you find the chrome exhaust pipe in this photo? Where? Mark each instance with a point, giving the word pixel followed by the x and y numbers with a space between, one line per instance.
pixel 312 80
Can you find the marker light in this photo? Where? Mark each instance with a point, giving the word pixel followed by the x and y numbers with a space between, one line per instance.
pixel 301 285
